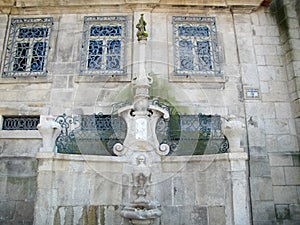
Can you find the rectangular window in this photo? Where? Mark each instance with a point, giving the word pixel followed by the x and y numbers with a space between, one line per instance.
pixel 27 47
pixel 103 46
pixel 196 46
pixel 20 122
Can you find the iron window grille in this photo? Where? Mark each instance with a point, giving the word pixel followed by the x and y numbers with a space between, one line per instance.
pixel 98 133
pixel 196 46
pixel 27 47
pixel 185 134
pixel 20 122
pixel 103 45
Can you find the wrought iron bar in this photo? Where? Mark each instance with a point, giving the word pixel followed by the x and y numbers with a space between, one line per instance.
pixel 90 134
pixel 196 46
pixel 20 122
pixel 103 46
pixel 27 47
pixel 185 134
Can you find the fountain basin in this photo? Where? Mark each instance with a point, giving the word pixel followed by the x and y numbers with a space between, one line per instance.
pixel 142 213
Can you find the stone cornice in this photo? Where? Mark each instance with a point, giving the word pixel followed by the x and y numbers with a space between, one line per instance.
pixel 75 6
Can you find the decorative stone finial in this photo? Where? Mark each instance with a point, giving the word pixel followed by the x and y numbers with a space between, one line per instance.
pixel 141 26
pixel 49 129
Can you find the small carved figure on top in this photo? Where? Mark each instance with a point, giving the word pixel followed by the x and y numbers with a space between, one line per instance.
pixel 141 26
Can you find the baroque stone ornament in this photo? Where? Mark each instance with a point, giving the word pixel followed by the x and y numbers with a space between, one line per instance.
pixel 141 148
pixel 141 26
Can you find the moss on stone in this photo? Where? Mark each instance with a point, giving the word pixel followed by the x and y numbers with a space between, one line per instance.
pixel 92 217
pixel 279 11
pixel 56 217
pixel 84 216
pixel 102 215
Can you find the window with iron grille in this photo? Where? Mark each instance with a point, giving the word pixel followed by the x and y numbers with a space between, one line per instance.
pixel 195 46
pixel 20 122
pixel 27 47
pixel 103 46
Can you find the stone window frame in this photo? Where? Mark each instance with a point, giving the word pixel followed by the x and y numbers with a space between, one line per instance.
pixel 210 79
pixel 100 76
pixel 13 38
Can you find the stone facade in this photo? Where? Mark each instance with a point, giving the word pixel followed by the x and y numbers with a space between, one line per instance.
pixel 80 189
pixel 259 50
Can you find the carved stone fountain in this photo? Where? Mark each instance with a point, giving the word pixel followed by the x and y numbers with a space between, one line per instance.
pixel 141 148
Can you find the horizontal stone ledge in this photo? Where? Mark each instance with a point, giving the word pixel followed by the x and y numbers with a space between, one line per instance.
pixel 207 158
pixel 20 134
pixel 288 153
pixel 41 3
pixel 166 159
pixel 79 157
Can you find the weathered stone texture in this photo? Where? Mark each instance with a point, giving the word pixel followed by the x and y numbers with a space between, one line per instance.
pixel 285 194
pixel 88 186
pixel 256 52
pixel 18 186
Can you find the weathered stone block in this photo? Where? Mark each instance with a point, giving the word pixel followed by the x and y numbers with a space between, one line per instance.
pixel 292 175
pixel 283 110
pixel 111 215
pixel 285 194
pixel 257 40
pixel 81 189
pixel 278 92
pixel 21 188
pixel 44 179
pixel 265 50
pixel 246 51
pixel 106 189
pixel 71 22
pixel 263 210
pixel 24 211
pixel 261 189
pixel 274 60
pixel 164 195
pixel 295 211
pixel 100 167
pixel 183 189
pixel 60 69
pixel 296 160
pixel 7 211
pixel 259 166
pixel 288 143
pixel 211 188
pixel 178 215
pixel 277 174
pixel 65 48
pixel 271 40
pixel 18 147
pixel 61 165
pixel 279 126
pixel 60 82
pixel 263 110
pixel 250 75
pixel 280 160
pixel 258 151
pixel 261 60
pixel 282 212
pixel 64 182
pixel 61 98
pixel 216 215
pixel 171 215
pixel 256 137
pixel 19 166
pixel 260 31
